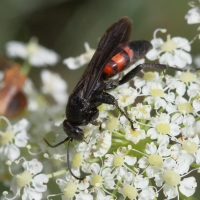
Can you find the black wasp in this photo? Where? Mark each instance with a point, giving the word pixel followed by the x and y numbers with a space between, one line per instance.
pixel 114 54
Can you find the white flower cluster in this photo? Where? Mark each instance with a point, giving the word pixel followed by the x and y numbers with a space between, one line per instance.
pixel 36 54
pixel 119 162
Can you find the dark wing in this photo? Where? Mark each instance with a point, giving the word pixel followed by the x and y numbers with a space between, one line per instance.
pixel 115 37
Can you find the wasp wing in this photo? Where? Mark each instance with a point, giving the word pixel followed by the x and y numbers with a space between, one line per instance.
pixel 116 37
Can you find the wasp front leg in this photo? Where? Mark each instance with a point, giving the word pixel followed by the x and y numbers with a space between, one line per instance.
pixel 109 99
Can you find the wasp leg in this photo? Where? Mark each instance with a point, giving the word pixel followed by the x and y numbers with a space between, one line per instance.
pixel 53 146
pixel 138 68
pixel 109 99
pixel 112 85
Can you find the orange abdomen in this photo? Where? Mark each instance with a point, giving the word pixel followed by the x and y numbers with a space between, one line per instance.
pixel 119 62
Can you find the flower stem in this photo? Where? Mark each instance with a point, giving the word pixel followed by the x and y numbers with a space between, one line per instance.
pixel 58 173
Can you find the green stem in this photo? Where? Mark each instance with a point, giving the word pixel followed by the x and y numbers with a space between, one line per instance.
pixel 116 190
pixel 25 68
pixel 117 134
pixel 58 173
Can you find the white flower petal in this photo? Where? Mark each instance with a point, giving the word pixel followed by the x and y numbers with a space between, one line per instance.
pixel 130 160
pixel 11 152
pixel 188 186
pixel 157 42
pixel 169 191
pixel 95 168
pixel 143 162
pixel 34 166
pixel 83 196
pixel 153 54
pixel 177 118
pixel 182 43
pixel 196 104
pixel 16 49
pixel 38 182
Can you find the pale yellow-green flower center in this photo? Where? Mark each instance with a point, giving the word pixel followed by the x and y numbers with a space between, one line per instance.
pixel 102 107
pixel 130 191
pixel 97 181
pixel 32 47
pixel 123 99
pixel 185 108
pixel 163 128
pixel 113 124
pixel 149 76
pixel 169 45
pixel 6 137
pixel 172 178
pixel 157 92
pixel 24 178
pixel 70 190
pixel 118 161
pixel 189 146
pixel 187 77
pixel 78 159
pixel 155 160
pixel 134 133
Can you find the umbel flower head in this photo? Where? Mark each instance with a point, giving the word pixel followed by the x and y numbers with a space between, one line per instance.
pixel 173 52
pixel 119 161
pixel 36 54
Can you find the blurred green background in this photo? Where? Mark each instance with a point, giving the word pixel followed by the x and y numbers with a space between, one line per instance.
pixel 64 26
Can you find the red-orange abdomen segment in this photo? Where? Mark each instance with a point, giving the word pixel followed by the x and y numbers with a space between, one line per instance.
pixel 119 62
pixel 135 51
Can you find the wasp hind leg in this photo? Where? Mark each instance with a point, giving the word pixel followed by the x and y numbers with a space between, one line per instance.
pixel 133 73
pixel 109 99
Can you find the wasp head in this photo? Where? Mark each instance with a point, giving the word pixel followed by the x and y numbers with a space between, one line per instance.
pixel 73 131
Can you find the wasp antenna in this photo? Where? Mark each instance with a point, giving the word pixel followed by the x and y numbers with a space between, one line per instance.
pixel 58 143
pixel 69 144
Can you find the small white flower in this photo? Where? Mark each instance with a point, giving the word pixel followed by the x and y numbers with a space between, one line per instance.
pixel 135 136
pixel 156 92
pixel 29 177
pixel 193 16
pixel 169 191
pixel 101 177
pixel 15 136
pixel 36 54
pixel 77 62
pixel 188 186
pixel 147 77
pixel 54 85
pixel 140 111
pixel 161 125
pixel 173 51
pixel 147 194
pixel 119 158
pixel 126 96
pixel 104 144
pixel 183 108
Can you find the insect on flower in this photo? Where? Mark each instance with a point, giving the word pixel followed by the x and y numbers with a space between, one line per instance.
pixel 114 54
